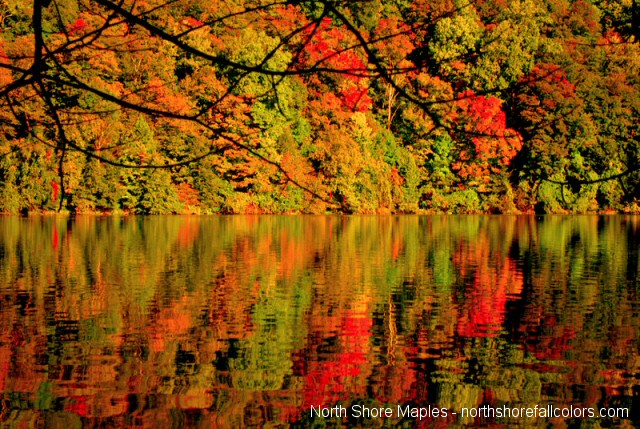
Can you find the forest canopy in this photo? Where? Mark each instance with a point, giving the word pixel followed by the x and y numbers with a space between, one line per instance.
pixel 359 106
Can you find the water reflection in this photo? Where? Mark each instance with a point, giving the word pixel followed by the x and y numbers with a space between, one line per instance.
pixel 248 321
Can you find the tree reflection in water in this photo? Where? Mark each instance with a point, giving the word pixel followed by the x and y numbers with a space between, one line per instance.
pixel 248 321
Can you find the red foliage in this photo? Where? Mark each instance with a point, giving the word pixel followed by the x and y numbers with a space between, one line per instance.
pixel 493 144
pixel 610 37
pixel 55 190
pixel 78 405
pixel 77 26
pixel 326 50
pixel 356 99
pixel 192 22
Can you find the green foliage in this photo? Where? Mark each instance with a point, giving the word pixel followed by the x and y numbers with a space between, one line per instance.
pixel 456 36
pixel 456 201
pixel 155 195
pixel 510 45
pixel 99 190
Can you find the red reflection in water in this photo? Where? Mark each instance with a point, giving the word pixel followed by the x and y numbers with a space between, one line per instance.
pixel 78 405
pixel 496 279
pixel 341 375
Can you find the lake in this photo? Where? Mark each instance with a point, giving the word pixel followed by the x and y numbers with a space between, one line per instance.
pixel 320 321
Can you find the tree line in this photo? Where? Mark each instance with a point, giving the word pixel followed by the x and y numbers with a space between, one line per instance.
pixel 366 106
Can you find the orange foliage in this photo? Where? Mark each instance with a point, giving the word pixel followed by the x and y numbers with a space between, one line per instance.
pixel 188 195
pixel 5 74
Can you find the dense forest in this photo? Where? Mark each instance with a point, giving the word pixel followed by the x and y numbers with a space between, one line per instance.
pixel 270 106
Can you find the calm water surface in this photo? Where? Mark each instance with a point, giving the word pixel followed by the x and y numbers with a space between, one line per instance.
pixel 250 321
